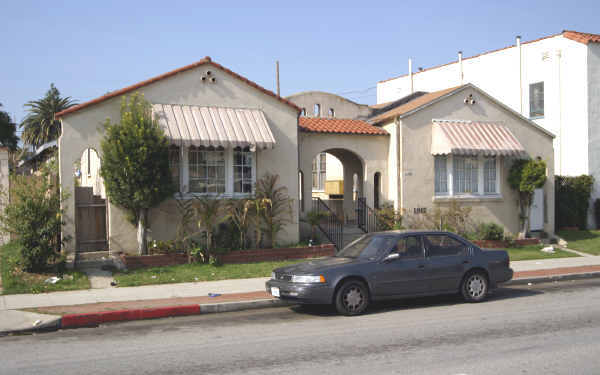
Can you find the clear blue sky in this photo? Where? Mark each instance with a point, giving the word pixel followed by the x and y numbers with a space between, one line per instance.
pixel 89 48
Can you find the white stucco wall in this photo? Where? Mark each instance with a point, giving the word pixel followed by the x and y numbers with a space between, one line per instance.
pixel 82 129
pixel 593 103
pixel 557 61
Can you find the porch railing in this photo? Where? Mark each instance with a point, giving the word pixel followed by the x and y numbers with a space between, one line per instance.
pixel 331 226
pixel 366 217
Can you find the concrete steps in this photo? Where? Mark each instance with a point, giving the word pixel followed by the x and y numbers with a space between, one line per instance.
pixel 351 233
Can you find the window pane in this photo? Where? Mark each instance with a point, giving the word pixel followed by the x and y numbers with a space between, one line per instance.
pixel 536 99
pixel 489 175
pixel 242 171
pixel 206 170
pixel 409 247
pixel 441 175
pixel 442 245
pixel 465 175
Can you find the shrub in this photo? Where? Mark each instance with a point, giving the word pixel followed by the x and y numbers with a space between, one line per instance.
pixel 490 231
pixel 454 218
pixel 277 207
pixel 572 197
pixel 34 216
pixel 597 212
pixel 388 218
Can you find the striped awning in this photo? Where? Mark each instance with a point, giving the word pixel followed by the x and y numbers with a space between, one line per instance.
pixel 189 125
pixel 474 138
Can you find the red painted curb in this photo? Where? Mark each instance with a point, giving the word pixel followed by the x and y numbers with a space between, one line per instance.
pixel 94 319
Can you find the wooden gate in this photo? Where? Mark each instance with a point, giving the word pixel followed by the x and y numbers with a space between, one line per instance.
pixel 90 220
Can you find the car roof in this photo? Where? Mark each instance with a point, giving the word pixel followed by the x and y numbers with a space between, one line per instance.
pixel 414 231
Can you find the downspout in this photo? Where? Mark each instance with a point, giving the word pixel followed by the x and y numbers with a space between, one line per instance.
pixel 400 140
pixel 460 65
pixel 410 76
pixel 520 73
pixel 560 122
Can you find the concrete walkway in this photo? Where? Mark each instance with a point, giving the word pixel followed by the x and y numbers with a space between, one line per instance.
pixel 539 264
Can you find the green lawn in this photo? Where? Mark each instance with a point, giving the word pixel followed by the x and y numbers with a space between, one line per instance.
pixel 197 272
pixel 533 252
pixel 587 241
pixel 15 281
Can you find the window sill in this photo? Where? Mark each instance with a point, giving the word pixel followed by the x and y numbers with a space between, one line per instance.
pixel 536 117
pixel 467 198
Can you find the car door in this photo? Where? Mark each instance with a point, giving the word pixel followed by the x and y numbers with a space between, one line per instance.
pixel 446 262
pixel 404 274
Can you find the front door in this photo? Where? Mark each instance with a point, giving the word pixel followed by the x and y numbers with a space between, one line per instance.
pixel 536 214
pixel 446 262
pixel 406 274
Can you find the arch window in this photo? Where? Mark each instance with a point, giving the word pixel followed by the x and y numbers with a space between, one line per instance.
pixel 317 110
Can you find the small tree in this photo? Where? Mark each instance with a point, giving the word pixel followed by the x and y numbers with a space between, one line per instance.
pixel 210 214
pixel 525 176
pixel 278 208
pixel 135 164
pixel 34 217
pixel 240 211
pixel 314 218
pixel 8 131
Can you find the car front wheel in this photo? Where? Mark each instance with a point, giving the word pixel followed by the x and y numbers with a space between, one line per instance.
pixel 475 287
pixel 352 298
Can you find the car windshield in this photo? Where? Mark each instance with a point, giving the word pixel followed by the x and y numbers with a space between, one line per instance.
pixel 367 247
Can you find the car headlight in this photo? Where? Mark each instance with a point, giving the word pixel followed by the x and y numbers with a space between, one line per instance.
pixel 273 276
pixel 307 279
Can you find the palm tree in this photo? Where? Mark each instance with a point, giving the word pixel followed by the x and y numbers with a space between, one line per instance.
pixel 40 125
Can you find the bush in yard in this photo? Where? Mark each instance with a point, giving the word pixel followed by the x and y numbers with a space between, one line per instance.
pixel 388 218
pixel 525 176
pixel 572 197
pixel 490 231
pixel 277 209
pixel 135 163
pixel 34 217
pixel 597 212
pixel 314 218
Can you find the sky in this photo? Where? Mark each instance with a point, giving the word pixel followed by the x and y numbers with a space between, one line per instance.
pixel 90 48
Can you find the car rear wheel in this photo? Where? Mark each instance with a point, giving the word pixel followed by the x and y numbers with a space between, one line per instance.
pixel 475 287
pixel 352 298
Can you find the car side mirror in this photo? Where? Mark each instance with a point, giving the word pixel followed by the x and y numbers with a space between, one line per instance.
pixel 391 257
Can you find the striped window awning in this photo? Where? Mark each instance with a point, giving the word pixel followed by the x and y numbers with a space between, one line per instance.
pixel 474 138
pixel 188 125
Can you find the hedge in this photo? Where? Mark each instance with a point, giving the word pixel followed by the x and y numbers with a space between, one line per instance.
pixel 572 200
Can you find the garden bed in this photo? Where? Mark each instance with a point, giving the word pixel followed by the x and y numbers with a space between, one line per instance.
pixel 233 257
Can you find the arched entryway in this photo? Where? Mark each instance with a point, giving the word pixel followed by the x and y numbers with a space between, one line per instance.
pixel 90 204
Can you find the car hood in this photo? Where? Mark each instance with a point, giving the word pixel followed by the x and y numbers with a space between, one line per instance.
pixel 315 266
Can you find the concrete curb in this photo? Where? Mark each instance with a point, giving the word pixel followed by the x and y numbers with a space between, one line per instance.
pixel 49 326
pixel 546 279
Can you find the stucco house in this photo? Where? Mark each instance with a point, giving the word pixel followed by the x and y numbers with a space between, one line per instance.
pixel 415 153
pixel 226 132
pixel 553 80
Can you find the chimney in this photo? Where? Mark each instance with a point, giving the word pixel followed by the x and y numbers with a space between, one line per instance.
pixel 410 76
pixel 460 65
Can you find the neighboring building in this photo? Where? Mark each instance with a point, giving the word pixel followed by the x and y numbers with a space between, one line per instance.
pixel 30 163
pixel 226 133
pixel 554 81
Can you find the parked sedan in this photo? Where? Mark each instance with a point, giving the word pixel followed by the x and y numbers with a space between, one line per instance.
pixel 389 265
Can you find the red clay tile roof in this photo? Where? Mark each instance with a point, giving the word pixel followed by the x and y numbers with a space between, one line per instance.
pixel 584 38
pixel 338 125
pixel 206 60
pixel 413 104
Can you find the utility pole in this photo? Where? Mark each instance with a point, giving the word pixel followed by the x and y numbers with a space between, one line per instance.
pixel 277 68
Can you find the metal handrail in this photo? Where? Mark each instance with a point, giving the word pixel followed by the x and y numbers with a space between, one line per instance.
pixel 331 226
pixel 366 217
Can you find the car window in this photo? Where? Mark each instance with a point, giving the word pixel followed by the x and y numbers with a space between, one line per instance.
pixel 368 247
pixel 409 247
pixel 442 245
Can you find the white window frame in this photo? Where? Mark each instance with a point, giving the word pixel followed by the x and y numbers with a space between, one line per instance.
pixel 319 171
pixel 229 193
pixel 480 180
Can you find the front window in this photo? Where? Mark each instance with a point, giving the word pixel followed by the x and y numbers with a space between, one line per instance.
pixel 536 99
pixel 465 175
pixel 368 246
pixel 319 171
pixel 242 171
pixel 456 175
pixel 206 170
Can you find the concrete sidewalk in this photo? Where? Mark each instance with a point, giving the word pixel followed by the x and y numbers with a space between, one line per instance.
pixel 97 306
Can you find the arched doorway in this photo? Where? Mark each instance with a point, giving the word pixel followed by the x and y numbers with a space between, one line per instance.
pixel 376 189
pixel 90 204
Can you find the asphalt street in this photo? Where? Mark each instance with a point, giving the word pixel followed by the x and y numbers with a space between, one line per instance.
pixel 540 329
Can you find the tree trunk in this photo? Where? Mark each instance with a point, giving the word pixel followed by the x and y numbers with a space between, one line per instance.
pixel 141 232
pixel 525 207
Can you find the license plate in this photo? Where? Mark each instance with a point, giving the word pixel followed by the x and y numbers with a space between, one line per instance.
pixel 275 291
